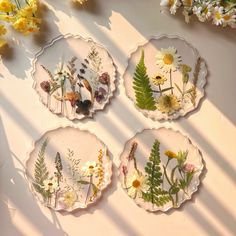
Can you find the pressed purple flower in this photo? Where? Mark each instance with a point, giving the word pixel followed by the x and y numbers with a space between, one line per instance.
pixel 100 94
pixel 124 170
pixel 83 107
pixel 104 78
pixel 45 86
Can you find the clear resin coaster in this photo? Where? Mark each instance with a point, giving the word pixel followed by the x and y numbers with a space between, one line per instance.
pixel 165 78
pixel 68 169
pixel 74 77
pixel 160 169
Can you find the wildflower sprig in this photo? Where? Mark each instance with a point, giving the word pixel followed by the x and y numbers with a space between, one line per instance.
pixel 21 15
pixel 220 12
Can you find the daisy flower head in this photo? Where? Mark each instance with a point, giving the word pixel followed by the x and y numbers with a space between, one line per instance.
pixel 136 184
pixel 69 198
pixel 158 79
pixel 168 104
pixel 172 4
pixel 90 168
pixel 217 16
pixel 50 185
pixel 168 59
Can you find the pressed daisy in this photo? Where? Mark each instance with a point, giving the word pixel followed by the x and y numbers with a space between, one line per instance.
pixel 69 198
pixel 168 104
pixel 172 4
pixel 51 185
pixel 7 6
pixel 159 79
pixel 170 154
pixel 136 183
pixel 168 59
pixel 90 168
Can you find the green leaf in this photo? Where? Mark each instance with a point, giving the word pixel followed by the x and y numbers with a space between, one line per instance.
pixel 155 193
pixel 40 170
pixel 142 87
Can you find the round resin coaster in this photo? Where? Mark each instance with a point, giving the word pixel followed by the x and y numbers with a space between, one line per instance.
pixel 160 169
pixel 68 169
pixel 74 77
pixel 165 78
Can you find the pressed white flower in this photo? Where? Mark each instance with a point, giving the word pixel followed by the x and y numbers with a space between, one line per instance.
pixel 168 104
pixel 136 184
pixel 230 19
pixel 68 198
pixel 51 185
pixel 90 168
pixel 218 18
pixel 168 59
pixel 159 79
pixel 60 77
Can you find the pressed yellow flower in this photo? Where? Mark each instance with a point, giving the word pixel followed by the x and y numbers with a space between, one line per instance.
pixel 170 154
pixel 25 25
pixel 168 104
pixel 159 79
pixel 7 6
pixel 3 43
pixel 69 198
pixel 3 30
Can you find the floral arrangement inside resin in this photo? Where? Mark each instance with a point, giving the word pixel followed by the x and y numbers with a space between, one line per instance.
pixel 220 12
pixel 79 83
pixel 162 180
pixel 165 82
pixel 21 15
pixel 66 180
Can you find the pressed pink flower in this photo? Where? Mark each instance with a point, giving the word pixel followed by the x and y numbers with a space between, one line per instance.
pixel 104 78
pixel 188 168
pixel 45 86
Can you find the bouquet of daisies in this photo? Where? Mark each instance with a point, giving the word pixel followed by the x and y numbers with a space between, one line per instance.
pixel 220 12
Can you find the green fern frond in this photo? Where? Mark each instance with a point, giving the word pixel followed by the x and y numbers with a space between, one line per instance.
pixel 142 87
pixel 155 194
pixel 40 171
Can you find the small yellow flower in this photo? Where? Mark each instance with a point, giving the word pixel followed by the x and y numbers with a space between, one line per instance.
pixel 170 154
pixel 7 6
pixel 3 30
pixel 168 104
pixel 69 198
pixel 159 79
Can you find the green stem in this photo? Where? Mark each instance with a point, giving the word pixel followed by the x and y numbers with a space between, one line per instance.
pixel 160 89
pixel 89 188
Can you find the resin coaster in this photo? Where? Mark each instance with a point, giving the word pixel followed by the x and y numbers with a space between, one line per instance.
pixel 165 78
pixel 74 77
pixel 68 169
pixel 160 169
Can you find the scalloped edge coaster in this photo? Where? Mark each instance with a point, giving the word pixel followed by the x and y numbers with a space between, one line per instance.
pixel 165 78
pixel 67 169
pixel 160 169
pixel 74 77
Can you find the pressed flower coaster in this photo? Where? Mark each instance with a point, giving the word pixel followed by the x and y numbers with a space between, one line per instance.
pixel 160 169
pixel 165 78
pixel 74 77
pixel 68 169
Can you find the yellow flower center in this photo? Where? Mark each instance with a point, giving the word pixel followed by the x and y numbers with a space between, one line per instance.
pixel 168 59
pixel 158 77
pixel 91 167
pixel 49 184
pixel 136 183
pixel 218 16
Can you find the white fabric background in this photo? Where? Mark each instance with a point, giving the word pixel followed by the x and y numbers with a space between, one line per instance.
pixel 120 25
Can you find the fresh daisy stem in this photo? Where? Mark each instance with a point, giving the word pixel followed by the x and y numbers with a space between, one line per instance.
pixel 171 83
pixel 89 188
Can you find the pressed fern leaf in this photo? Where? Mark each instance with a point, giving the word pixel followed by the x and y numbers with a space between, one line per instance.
pixel 40 171
pixel 142 87
pixel 155 193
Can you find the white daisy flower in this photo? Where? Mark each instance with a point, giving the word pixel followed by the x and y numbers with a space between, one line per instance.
pixel 168 59
pixel 68 199
pixel 90 168
pixel 218 18
pixel 50 185
pixel 136 184
pixel 172 4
